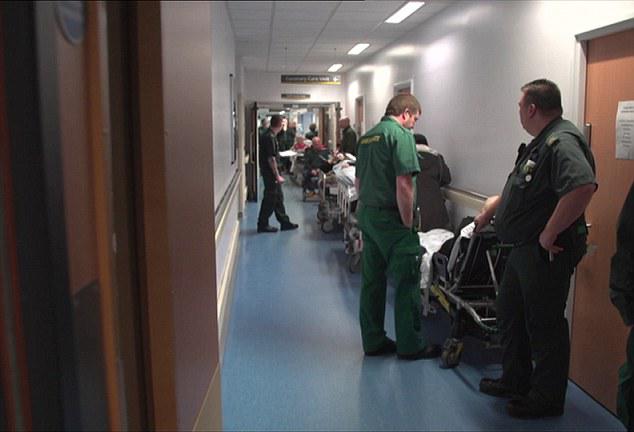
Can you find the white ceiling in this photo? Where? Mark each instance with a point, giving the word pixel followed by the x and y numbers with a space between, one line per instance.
pixel 309 36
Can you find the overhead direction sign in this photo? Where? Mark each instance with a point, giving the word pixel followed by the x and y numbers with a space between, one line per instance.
pixel 296 96
pixel 312 79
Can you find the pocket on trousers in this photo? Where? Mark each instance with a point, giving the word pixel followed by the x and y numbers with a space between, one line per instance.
pixel 543 254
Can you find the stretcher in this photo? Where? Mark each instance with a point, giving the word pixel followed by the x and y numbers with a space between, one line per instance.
pixel 430 242
pixel 465 283
pixel 297 167
pixel 328 212
pixel 346 198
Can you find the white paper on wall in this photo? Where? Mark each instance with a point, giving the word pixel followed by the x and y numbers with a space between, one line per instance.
pixel 625 130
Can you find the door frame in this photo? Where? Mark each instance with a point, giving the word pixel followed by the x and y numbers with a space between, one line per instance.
pixel 360 126
pixel 397 86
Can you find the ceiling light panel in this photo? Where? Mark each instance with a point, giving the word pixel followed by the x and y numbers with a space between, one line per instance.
pixel 358 49
pixel 335 67
pixel 404 12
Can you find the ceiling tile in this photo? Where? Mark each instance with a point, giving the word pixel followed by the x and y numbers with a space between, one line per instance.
pixel 309 32
pixel 249 5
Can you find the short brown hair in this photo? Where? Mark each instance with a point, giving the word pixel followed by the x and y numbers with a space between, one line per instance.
pixel 545 95
pixel 276 121
pixel 399 103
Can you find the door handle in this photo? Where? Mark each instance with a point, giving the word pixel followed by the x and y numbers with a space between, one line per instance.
pixel 587 132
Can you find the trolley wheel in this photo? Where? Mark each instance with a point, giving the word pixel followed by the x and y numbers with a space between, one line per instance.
pixel 354 263
pixel 451 353
pixel 327 226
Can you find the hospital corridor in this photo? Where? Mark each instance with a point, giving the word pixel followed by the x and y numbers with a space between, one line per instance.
pixel 347 215
pixel 293 359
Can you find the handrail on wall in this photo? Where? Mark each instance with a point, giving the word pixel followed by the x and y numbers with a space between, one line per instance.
pixel 466 198
pixel 220 215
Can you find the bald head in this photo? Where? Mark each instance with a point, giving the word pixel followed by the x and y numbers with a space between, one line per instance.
pixel 344 122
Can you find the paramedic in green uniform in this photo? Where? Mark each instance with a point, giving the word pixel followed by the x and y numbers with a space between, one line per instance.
pixel 622 296
pixel 385 169
pixel 540 213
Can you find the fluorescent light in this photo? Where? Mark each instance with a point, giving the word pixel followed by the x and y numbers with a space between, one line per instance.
pixel 335 67
pixel 358 48
pixel 404 12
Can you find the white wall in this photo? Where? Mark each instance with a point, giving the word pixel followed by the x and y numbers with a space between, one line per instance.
pixel 223 63
pixel 267 87
pixel 187 81
pixel 468 64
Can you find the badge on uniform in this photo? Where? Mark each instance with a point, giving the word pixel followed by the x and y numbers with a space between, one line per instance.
pixel 528 167
pixel 552 139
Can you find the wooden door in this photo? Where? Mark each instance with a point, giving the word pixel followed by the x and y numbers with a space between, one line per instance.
pixel 122 97
pixel 15 403
pixel 322 126
pixel 359 116
pixel 598 334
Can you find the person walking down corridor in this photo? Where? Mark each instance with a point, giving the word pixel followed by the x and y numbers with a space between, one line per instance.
pixel 541 214
pixel 273 200
pixel 348 137
pixel 386 166
pixel 312 132
pixel 622 296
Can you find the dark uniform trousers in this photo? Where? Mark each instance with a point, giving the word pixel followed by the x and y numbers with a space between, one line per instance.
pixel 625 394
pixel 389 249
pixel 530 311
pixel 272 201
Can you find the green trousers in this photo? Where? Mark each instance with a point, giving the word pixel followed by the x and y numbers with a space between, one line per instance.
pixel 389 249
pixel 625 395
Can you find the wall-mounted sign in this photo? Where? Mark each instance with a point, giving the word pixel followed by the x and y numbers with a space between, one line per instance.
pixel 312 79
pixel 295 96
pixel 625 130
pixel 71 19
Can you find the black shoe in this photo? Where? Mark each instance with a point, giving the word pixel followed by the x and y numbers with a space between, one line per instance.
pixel 528 407
pixel 388 347
pixel 289 226
pixel 267 229
pixel 495 387
pixel 430 351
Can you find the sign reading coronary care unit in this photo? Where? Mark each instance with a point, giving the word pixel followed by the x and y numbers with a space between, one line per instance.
pixel 297 96
pixel 312 79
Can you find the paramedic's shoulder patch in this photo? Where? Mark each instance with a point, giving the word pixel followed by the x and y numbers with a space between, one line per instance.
pixel 552 140
pixel 370 139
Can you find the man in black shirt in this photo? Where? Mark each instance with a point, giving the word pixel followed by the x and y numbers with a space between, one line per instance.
pixel 273 200
pixel 540 213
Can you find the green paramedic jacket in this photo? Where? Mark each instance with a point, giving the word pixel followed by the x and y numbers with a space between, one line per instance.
pixel 384 153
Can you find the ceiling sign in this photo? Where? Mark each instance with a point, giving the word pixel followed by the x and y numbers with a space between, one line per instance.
pixel 312 79
pixel 295 96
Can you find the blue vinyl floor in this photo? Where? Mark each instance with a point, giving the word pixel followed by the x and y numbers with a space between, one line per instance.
pixel 293 358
